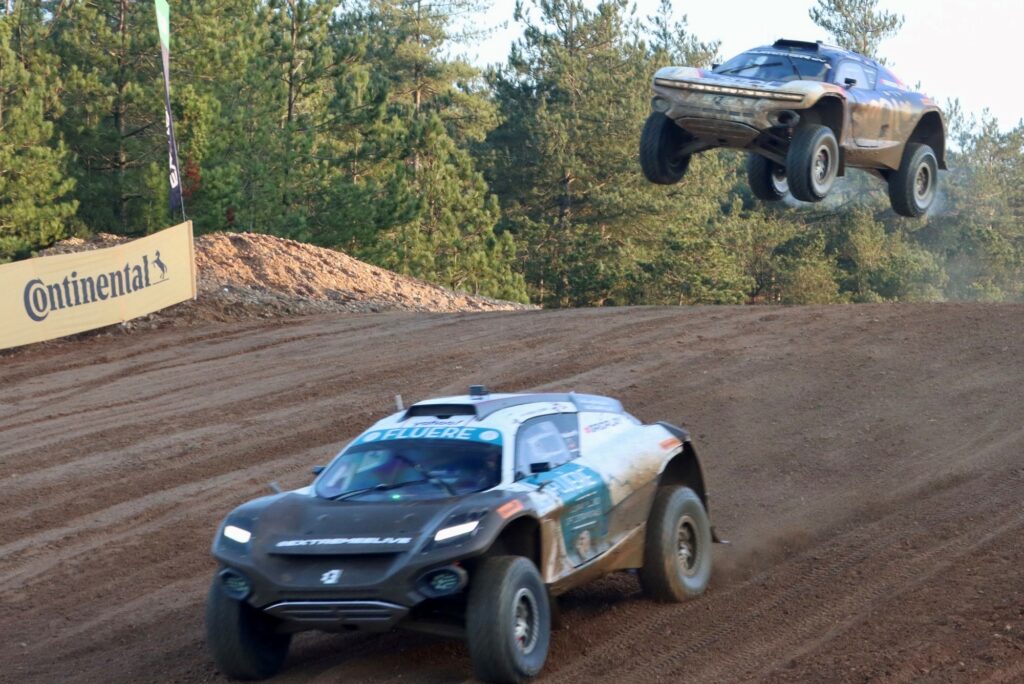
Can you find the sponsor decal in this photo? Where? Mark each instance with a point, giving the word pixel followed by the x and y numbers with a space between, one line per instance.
pixel 41 298
pixel 778 53
pixel 510 508
pixel 670 443
pixel 422 432
pixel 338 541
pixel 330 577
pixel 62 294
pixel 602 425
pixel 586 502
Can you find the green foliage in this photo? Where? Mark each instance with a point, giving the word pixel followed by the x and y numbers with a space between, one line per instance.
pixel 564 163
pixel 34 208
pixel 856 25
pixel 356 127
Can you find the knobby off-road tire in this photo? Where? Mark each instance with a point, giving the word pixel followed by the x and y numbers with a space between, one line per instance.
pixel 241 638
pixel 508 620
pixel 767 179
pixel 812 162
pixel 677 549
pixel 912 187
pixel 660 143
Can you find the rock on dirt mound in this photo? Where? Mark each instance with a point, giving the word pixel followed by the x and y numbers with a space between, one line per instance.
pixel 249 275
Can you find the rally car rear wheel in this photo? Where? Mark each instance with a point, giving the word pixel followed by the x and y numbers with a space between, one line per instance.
pixel 508 620
pixel 912 187
pixel 660 144
pixel 243 640
pixel 677 550
pixel 812 162
pixel 767 179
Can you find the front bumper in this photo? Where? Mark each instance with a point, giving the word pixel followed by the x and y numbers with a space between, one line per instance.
pixel 728 115
pixel 351 591
pixel 335 615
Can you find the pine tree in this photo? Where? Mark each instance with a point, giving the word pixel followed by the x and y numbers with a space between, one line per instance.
pixel 113 108
pixel 434 109
pixel 34 208
pixel 856 25
pixel 564 163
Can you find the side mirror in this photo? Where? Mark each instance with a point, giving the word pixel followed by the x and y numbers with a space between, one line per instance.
pixel 850 82
pixel 541 467
pixel 319 469
pixel 715 66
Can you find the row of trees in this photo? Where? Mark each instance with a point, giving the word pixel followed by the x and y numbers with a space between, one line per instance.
pixel 353 126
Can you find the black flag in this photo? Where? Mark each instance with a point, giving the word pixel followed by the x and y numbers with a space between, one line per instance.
pixel 163 22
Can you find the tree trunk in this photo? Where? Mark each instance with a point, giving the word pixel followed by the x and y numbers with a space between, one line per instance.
pixel 119 120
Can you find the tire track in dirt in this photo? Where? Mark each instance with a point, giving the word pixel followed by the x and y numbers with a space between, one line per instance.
pixel 819 427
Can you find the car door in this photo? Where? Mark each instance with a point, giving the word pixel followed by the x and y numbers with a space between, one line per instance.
pixel 869 112
pixel 547 455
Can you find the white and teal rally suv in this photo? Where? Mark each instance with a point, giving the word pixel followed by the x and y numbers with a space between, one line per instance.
pixel 464 516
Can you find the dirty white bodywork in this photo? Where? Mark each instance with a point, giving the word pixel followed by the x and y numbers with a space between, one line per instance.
pixel 592 509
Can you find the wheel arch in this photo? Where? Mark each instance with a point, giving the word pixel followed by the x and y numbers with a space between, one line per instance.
pixel 827 111
pixel 930 130
pixel 521 536
pixel 830 110
pixel 684 467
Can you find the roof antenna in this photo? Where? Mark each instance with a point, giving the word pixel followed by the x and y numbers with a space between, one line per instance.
pixel 398 402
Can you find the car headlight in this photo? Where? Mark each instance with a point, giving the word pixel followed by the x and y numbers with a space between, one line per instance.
pixel 453 531
pixel 237 534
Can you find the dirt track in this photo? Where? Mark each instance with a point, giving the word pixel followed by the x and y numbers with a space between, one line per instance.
pixel 867 462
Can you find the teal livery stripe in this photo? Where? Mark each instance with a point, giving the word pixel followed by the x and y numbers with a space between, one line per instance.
pixel 462 434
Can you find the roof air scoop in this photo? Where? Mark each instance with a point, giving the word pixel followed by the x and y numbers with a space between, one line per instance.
pixel 478 391
pixel 801 44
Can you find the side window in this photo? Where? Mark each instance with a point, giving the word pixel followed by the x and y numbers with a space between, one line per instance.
pixel 540 441
pixel 852 70
pixel 568 425
pixel 872 75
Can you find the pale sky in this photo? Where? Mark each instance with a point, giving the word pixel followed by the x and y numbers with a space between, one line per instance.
pixel 967 49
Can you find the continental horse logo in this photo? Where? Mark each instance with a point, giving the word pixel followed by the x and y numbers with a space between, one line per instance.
pixel 43 298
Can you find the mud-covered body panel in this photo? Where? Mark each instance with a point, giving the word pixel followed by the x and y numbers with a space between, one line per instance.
pixel 876 119
pixel 319 563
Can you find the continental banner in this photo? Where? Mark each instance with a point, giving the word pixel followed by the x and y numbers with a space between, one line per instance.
pixel 53 296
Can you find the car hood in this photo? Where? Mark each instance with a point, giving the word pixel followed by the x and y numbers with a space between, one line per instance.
pixel 299 524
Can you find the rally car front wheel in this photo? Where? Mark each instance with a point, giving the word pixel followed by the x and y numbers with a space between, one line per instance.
pixel 812 162
pixel 661 143
pixel 243 640
pixel 508 620
pixel 912 187
pixel 677 549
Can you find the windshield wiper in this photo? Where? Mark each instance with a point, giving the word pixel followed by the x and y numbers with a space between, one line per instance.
pixel 749 66
pixel 375 488
pixel 796 71
pixel 430 477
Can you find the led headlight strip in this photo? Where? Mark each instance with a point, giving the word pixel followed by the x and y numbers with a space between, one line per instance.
pixel 237 534
pixel 728 90
pixel 456 530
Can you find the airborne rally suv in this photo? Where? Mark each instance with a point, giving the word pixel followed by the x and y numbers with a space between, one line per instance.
pixel 463 516
pixel 804 112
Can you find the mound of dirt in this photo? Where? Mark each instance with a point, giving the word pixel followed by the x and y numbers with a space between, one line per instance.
pixel 248 275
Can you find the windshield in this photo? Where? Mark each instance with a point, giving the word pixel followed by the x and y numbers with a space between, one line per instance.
pixel 776 65
pixel 405 469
